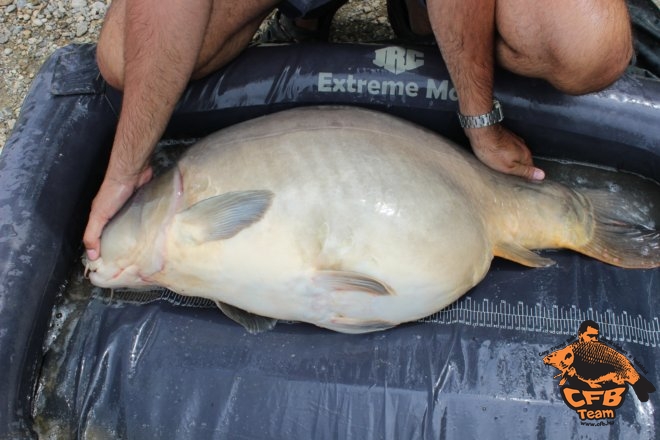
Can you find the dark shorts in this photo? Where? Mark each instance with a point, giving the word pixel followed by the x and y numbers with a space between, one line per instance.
pixel 315 8
pixel 309 8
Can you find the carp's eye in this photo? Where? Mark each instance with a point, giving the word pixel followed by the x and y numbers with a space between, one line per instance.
pixel 568 356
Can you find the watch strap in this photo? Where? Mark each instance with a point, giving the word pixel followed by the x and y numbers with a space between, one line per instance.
pixel 495 116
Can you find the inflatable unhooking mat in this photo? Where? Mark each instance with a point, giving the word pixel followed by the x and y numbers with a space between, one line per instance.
pixel 79 362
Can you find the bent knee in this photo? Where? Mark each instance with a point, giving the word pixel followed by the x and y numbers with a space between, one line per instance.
pixel 111 64
pixel 593 59
pixel 110 47
pixel 593 68
pixel 579 47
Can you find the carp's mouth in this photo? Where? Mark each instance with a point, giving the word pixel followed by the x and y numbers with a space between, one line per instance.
pixel 90 265
pixel 98 272
pixel 110 276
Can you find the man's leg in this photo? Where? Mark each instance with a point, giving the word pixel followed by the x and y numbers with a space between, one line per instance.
pixel 579 46
pixel 151 49
pixel 228 28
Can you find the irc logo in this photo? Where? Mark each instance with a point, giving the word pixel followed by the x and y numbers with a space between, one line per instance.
pixel 397 59
pixel 595 376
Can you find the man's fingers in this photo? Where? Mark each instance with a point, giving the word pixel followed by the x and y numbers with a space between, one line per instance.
pixel 92 254
pixel 538 174
pixel 111 197
pixel 514 166
pixel 145 176
pixel 504 151
pixel 92 237
pixel 520 159
pixel 529 172
pixel 99 216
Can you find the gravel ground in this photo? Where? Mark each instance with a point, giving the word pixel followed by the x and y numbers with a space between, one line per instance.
pixel 31 30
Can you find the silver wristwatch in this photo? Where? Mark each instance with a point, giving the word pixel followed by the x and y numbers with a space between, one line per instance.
pixel 493 117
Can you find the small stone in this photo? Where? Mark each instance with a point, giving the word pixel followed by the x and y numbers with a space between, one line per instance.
pixel 98 6
pixel 37 22
pixel 5 34
pixel 11 8
pixel 77 4
pixel 81 29
pixel 6 2
pixel 8 51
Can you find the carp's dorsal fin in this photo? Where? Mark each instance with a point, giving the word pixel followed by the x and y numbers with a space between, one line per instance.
pixel 221 217
pixel 354 281
pixel 521 255
pixel 253 323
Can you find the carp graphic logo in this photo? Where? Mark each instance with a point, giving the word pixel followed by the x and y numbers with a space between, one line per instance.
pixel 397 59
pixel 595 376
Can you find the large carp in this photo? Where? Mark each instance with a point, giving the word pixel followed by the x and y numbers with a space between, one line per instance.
pixel 349 219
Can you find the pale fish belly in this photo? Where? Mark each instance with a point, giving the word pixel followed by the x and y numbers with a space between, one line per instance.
pixel 345 200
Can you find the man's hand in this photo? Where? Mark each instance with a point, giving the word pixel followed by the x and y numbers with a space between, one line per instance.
pixel 503 151
pixel 112 195
pixel 465 31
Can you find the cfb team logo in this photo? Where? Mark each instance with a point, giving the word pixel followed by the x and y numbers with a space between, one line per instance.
pixel 595 376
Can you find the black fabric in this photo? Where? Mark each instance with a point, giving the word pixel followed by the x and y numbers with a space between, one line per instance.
pixel 645 17
pixel 164 371
pixel 310 8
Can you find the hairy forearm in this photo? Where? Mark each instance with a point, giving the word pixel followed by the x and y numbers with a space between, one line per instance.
pixel 465 31
pixel 161 45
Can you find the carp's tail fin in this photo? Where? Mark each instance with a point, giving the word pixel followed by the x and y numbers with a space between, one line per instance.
pixel 624 233
pixel 642 388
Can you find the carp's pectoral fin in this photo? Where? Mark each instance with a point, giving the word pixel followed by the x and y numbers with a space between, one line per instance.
pixel 521 255
pixel 349 325
pixel 352 281
pixel 359 285
pixel 253 323
pixel 221 217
